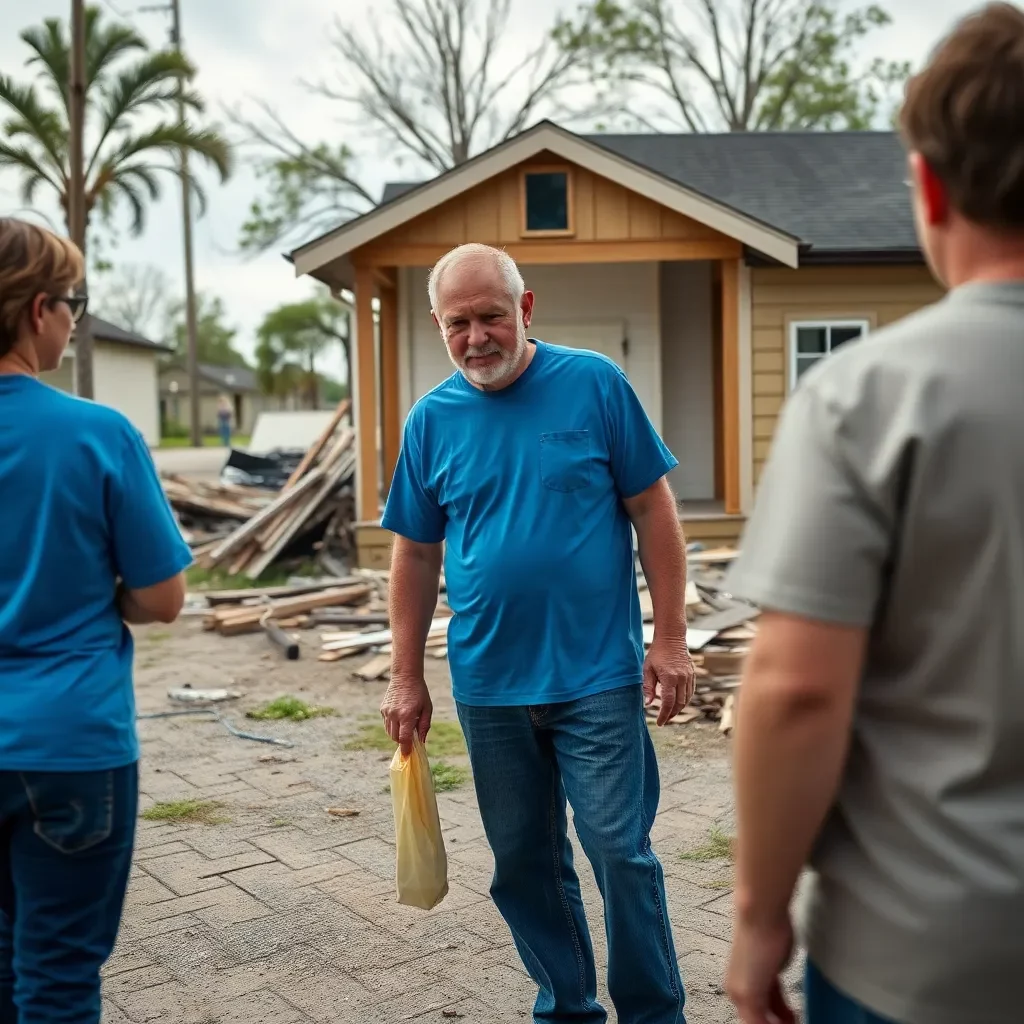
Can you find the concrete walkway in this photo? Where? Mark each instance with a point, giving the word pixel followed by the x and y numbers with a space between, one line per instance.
pixel 280 913
pixel 203 463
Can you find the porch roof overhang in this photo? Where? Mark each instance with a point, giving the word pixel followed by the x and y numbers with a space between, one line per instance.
pixel 329 258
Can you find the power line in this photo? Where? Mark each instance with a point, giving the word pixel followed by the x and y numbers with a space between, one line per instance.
pixel 114 9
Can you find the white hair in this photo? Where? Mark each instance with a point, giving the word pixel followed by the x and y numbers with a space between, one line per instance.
pixel 476 251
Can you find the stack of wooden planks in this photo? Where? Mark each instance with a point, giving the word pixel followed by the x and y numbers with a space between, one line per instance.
pixel 719 632
pixel 207 499
pixel 311 497
pixel 289 607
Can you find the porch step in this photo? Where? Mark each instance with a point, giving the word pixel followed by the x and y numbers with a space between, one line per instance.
pixel 717 529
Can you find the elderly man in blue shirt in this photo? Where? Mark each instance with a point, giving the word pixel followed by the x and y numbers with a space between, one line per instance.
pixel 530 464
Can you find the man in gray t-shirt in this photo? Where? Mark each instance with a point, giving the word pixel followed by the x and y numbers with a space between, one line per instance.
pixel 880 735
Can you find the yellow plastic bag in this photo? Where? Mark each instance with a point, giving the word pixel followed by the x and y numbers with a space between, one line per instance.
pixel 421 868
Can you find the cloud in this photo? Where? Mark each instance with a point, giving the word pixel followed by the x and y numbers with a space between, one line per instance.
pixel 263 49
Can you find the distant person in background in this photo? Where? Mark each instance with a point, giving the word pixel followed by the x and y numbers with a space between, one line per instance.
pixel 880 737
pixel 224 420
pixel 88 544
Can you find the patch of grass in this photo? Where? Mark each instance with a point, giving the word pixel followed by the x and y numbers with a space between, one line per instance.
pixel 291 708
pixel 158 636
pixel 280 823
pixel 209 441
pixel 718 883
pixel 200 579
pixel 444 740
pixel 371 737
pixel 191 812
pixel 448 776
pixel 717 846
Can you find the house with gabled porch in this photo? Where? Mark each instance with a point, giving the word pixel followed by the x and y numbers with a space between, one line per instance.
pixel 714 269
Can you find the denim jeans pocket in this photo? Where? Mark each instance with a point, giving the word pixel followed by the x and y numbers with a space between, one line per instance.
pixel 73 811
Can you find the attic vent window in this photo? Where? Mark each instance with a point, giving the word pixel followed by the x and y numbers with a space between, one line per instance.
pixel 547 202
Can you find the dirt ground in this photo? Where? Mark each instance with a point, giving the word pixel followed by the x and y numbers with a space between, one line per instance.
pixel 269 910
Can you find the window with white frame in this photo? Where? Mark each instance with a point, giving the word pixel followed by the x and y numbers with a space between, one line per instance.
pixel 811 340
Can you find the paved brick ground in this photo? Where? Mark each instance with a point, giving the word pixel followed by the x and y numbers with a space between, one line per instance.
pixel 284 914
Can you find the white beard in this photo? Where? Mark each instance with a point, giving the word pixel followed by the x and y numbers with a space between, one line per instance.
pixel 499 373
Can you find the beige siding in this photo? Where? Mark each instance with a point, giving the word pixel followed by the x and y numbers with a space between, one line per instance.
pixel 126 379
pixel 880 295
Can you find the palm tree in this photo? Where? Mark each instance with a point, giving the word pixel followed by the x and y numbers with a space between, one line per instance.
pixel 134 133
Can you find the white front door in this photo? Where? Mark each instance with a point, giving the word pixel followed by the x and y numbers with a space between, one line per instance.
pixel 606 338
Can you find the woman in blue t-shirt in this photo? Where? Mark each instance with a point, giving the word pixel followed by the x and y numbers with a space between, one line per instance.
pixel 88 544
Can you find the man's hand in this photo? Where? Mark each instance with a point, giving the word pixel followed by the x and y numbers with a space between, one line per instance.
pixel 406 710
pixel 759 956
pixel 668 672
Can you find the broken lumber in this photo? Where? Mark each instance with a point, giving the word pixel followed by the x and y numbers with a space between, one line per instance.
pixel 360 641
pixel 237 539
pixel 318 446
pixel 230 620
pixel 375 668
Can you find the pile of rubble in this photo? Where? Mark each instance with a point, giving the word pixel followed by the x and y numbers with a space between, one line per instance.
pixel 719 631
pixel 244 530
pixel 351 615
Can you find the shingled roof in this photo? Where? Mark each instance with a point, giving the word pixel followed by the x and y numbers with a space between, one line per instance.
pixel 843 194
pixel 104 330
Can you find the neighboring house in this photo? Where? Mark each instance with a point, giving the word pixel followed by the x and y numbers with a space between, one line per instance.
pixel 714 269
pixel 237 382
pixel 125 367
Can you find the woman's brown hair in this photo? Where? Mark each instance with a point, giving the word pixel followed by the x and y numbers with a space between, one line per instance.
pixel 32 261
pixel 965 111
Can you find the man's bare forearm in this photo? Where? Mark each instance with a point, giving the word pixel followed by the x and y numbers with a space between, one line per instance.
pixel 792 737
pixel 415 575
pixel 662 547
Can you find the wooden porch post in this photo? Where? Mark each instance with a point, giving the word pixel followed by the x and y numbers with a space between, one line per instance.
pixel 365 395
pixel 731 385
pixel 391 425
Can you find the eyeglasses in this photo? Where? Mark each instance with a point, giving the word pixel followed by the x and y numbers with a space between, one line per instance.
pixel 76 303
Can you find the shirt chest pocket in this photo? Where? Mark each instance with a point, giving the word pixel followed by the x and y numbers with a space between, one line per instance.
pixel 565 460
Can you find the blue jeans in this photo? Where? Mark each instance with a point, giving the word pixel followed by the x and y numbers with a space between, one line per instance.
pixel 825 1004
pixel 224 428
pixel 66 843
pixel 597 752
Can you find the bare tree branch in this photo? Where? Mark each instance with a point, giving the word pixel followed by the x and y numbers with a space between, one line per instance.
pixel 743 64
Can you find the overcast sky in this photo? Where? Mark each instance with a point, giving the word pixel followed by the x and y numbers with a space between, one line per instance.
pixel 261 48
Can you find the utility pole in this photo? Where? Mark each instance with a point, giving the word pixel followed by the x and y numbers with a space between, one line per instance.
pixel 76 187
pixel 191 326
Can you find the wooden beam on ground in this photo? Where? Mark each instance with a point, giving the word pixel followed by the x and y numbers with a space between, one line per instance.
pixel 391 424
pixel 731 385
pixel 365 395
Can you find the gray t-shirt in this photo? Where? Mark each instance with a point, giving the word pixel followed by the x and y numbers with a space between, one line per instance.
pixel 894 499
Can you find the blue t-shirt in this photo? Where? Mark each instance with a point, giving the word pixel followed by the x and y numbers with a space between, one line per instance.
pixel 82 505
pixel 525 486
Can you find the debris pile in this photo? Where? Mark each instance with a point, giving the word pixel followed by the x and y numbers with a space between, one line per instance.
pixel 244 530
pixel 351 616
pixel 719 631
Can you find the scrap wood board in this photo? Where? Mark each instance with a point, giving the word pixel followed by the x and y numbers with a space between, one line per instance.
pixel 438 627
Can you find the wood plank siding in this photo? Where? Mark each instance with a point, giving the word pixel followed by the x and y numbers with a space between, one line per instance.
pixel 880 295
pixel 605 216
